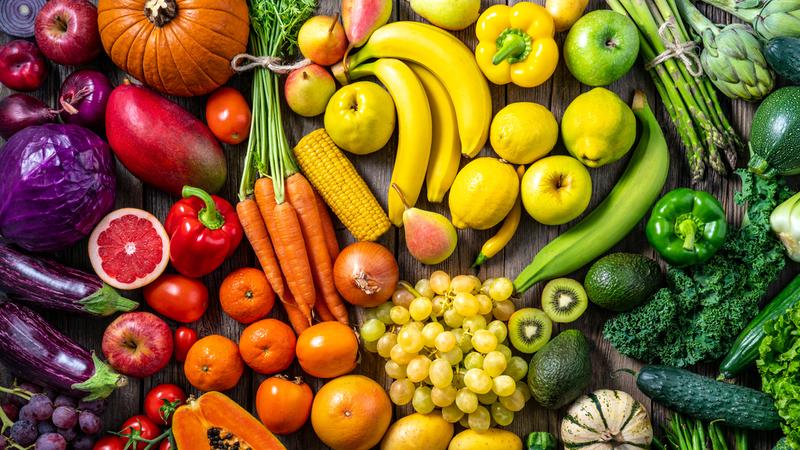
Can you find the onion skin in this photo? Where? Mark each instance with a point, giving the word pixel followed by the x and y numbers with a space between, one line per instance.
pixel 22 66
pixel 83 98
pixel 366 274
pixel 17 16
pixel 19 111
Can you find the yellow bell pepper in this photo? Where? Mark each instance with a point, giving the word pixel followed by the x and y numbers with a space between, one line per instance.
pixel 516 44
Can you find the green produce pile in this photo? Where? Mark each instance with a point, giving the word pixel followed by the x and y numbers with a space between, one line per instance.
pixel 780 370
pixel 703 309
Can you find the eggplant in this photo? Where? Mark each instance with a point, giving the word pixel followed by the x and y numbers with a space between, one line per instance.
pixel 47 284
pixel 35 351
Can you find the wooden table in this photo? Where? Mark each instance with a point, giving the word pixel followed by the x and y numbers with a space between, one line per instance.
pixel 376 169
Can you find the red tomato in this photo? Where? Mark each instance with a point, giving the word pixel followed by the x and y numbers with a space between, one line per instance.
pixel 163 400
pixel 228 115
pixel 109 443
pixel 177 297
pixel 283 405
pixel 146 429
pixel 165 445
pixel 184 340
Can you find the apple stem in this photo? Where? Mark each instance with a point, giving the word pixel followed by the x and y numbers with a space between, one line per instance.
pixel 402 196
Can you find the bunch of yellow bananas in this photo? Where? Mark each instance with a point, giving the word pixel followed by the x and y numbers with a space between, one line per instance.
pixel 443 104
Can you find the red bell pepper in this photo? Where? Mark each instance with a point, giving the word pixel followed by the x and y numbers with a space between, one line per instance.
pixel 204 230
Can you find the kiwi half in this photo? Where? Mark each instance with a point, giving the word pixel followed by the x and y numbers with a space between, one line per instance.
pixel 529 329
pixel 564 300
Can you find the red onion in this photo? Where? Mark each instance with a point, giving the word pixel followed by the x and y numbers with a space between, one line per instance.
pixel 18 111
pixel 84 95
pixel 18 16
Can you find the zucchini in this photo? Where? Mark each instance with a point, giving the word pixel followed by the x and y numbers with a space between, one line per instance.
pixel 775 136
pixel 783 54
pixel 707 399
pixel 745 349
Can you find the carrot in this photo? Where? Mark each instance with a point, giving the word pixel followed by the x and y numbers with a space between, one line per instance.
pixel 287 239
pixel 327 227
pixel 323 313
pixel 296 317
pixel 300 195
pixel 256 232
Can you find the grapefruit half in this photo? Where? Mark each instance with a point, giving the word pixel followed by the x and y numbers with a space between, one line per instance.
pixel 129 248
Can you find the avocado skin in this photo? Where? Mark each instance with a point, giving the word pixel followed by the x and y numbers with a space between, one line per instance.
pixel 622 281
pixel 561 370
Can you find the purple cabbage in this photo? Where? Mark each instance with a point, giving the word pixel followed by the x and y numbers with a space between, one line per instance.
pixel 56 183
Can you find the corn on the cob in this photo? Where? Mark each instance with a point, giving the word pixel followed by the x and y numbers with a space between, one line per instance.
pixel 341 186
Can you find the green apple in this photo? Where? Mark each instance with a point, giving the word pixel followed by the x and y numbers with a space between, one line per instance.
pixel 601 47
pixel 448 14
pixel 360 117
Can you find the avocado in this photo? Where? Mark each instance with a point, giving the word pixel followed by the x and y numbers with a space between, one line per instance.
pixel 561 370
pixel 622 281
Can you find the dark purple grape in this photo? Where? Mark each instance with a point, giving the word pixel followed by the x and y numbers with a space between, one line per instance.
pixel 41 407
pixel 3 442
pixel 64 400
pixel 83 442
pixel 94 406
pixel 30 387
pixel 23 432
pixel 26 413
pixel 51 393
pixel 51 441
pixel 45 427
pixel 89 422
pixel 69 433
pixel 64 417
pixel 11 410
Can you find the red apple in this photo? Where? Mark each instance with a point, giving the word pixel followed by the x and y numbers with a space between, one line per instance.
pixel 66 31
pixel 137 344
pixel 22 66
pixel 322 40
pixel 308 90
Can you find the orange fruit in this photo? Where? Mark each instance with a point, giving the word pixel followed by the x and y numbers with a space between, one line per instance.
pixel 246 295
pixel 213 364
pixel 351 413
pixel 327 350
pixel 267 346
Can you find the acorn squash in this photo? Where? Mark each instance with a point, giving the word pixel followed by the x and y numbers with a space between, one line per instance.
pixel 783 54
pixel 214 421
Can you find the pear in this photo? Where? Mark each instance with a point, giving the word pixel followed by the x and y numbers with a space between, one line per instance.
pixel 448 14
pixel 430 237
pixel 362 17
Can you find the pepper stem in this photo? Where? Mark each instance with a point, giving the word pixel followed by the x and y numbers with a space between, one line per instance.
pixel 688 229
pixel 513 45
pixel 208 216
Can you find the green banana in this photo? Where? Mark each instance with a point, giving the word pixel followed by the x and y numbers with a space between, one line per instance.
pixel 616 216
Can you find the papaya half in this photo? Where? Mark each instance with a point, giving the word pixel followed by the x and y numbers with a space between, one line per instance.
pixel 215 422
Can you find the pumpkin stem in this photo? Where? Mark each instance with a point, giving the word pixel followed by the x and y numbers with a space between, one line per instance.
pixel 160 12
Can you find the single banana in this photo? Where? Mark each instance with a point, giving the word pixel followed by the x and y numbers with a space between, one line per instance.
pixel 415 131
pixel 447 58
pixel 445 148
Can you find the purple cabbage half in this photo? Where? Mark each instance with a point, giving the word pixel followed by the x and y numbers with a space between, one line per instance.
pixel 34 350
pixel 56 183
pixel 47 284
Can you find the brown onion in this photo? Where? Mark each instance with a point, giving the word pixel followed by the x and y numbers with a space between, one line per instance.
pixel 366 274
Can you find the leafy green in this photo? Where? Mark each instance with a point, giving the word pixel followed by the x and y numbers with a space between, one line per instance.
pixel 703 309
pixel 779 366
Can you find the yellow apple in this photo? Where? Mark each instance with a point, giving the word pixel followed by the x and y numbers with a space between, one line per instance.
pixel 360 117
pixel 556 189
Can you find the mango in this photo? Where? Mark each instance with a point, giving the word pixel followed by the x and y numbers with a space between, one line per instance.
pixel 491 439
pixel 408 432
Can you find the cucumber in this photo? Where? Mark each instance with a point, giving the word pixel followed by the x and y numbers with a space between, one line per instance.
pixel 775 135
pixel 707 399
pixel 745 350
pixel 783 54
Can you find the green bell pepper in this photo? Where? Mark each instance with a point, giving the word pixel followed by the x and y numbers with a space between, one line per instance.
pixel 687 227
pixel 541 440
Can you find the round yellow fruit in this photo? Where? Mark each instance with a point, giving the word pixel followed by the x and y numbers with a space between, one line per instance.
pixel 565 12
pixel 556 189
pixel 483 193
pixel 598 127
pixel 411 431
pixel 491 439
pixel 523 132
pixel 360 117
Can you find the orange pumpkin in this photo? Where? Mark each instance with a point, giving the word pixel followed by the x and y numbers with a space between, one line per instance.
pixel 179 47
pixel 214 416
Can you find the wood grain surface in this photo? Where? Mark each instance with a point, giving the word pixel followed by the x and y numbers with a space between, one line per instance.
pixel 556 94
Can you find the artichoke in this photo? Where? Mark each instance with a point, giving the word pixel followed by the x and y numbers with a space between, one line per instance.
pixel 731 57
pixel 769 18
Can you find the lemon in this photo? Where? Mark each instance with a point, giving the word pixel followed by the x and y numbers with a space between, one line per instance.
pixel 523 132
pixel 483 193
pixel 598 127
